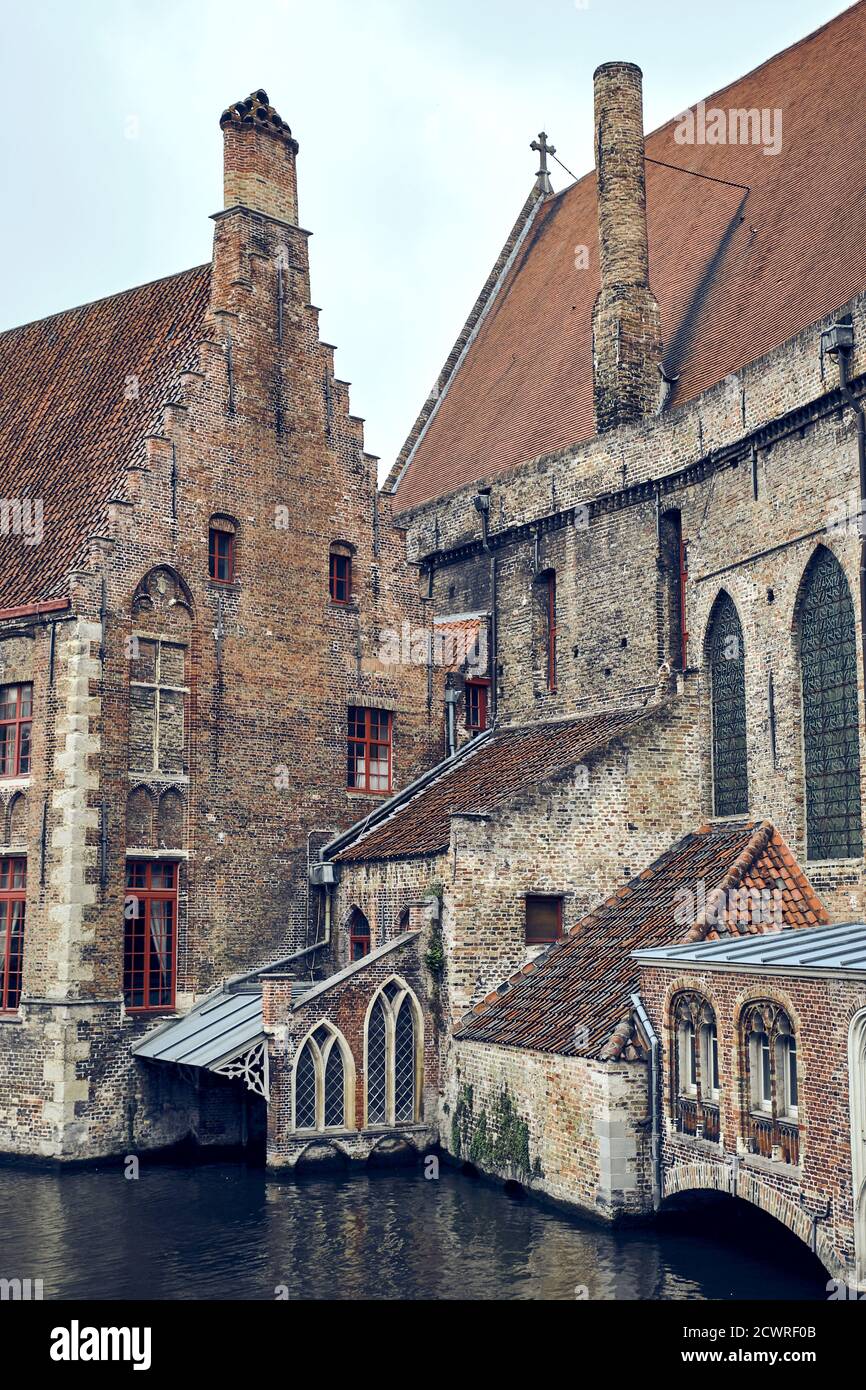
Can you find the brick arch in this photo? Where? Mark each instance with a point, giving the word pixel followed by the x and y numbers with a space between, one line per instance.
pixel 707 1176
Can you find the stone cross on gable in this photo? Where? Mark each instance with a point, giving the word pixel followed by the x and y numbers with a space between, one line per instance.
pixel 543 177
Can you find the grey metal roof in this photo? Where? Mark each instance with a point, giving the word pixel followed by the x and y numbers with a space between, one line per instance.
pixel 216 1029
pixel 838 950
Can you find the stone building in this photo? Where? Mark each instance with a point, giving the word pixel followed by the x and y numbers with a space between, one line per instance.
pixel 626 527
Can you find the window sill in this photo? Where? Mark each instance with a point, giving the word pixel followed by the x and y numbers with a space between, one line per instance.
pixel 222 584
pixel 11 1017
pixel 20 779
pixel 696 1140
pixel 350 607
pixel 356 794
pixel 770 1165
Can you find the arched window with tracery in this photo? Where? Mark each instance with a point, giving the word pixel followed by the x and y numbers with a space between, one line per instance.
pixel 323 1081
pixel 695 1066
pixel 831 742
pixel 772 1081
pixel 394 1056
pixel 726 661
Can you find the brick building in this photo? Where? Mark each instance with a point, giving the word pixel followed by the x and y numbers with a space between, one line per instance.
pixel 190 651
pixel 625 529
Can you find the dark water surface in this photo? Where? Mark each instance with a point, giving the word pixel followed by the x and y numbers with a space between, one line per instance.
pixel 224 1231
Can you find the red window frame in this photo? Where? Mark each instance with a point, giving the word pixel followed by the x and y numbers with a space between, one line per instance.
pixel 359 936
pixel 340 582
pixel 13 908
pixel 477 695
pixel 543 938
pixel 16 722
pixel 149 960
pixel 369 737
pixel 551 631
pixel 221 555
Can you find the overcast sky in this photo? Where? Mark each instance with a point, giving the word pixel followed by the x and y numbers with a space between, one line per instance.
pixel 414 121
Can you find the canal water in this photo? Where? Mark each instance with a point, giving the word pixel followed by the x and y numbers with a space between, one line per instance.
pixel 224 1231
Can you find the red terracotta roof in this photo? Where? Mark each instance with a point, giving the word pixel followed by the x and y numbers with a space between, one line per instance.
pixel 513 761
pixel 735 273
pixel 573 997
pixel 67 427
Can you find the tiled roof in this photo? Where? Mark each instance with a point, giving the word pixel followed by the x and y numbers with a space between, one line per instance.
pixel 70 421
pixel 512 761
pixel 573 997
pixel 735 273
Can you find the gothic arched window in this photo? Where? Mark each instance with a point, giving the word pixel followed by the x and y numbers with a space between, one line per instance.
pixel 696 1066
pixel 831 747
pixel 395 1044
pixel 727 691
pixel 726 659
pixel 772 1081
pixel 324 1083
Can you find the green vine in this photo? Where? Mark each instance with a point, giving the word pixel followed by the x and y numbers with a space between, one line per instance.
pixel 499 1143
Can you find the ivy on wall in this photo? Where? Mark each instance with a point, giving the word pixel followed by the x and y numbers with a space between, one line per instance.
pixel 497 1142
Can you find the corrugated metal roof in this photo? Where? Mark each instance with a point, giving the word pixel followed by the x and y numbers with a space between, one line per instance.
pixel 215 1030
pixel 839 949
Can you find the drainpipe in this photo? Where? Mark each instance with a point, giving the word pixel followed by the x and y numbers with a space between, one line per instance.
pixel 451 696
pixel 840 344
pixel 643 1020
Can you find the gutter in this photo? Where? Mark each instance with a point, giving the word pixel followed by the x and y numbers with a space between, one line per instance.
pixel 643 1019
pixel 30 610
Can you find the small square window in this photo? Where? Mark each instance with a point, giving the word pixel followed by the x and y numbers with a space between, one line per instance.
pixel 476 705
pixel 543 920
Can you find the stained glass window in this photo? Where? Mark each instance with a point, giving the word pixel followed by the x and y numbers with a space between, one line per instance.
pixel 727 676
pixel 828 660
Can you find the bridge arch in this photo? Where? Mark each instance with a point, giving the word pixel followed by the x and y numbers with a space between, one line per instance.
pixel 748 1186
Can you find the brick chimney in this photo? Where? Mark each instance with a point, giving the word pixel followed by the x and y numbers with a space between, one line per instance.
pixel 626 325
pixel 259 159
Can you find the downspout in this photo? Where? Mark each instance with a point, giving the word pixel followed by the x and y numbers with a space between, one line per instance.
pixel 494 654
pixel 451 696
pixel 643 1020
pixel 840 340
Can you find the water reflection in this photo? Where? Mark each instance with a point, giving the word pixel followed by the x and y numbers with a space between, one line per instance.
pixel 223 1231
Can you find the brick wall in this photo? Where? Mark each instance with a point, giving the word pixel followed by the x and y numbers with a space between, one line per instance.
pixel 570 1128
pixel 253 777
pixel 815 1196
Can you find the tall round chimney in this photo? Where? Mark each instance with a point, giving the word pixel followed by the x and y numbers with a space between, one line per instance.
pixel 626 324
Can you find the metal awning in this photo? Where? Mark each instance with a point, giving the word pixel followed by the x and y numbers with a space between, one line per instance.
pixel 224 1034
pixel 834 950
